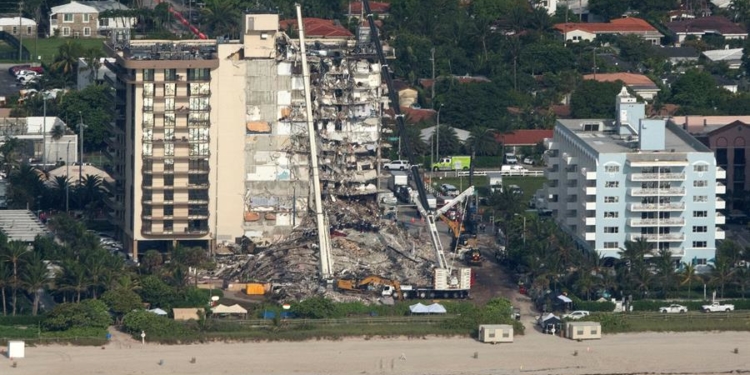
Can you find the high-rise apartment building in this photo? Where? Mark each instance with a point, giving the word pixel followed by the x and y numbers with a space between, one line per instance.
pixel 210 143
pixel 612 181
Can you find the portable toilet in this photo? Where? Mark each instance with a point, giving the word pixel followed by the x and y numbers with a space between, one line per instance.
pixel 16 349
pixel 583 330
pixel 494 333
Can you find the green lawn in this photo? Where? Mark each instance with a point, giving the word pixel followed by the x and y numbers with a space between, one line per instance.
pixel 47 48
pixel 529 185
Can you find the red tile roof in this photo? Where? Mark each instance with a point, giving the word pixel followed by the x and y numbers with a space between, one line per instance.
pixel 527 137
pixel 622 25
pixel 630 79
pixel 706 25
pixel 355 7
pixel 319 28
pixel 413 115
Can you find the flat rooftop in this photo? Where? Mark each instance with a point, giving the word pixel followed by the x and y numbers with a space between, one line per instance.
pixel 21 225
pixel 607 140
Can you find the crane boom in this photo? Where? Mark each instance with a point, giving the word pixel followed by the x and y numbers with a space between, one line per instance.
pixel 458 199
pixel 434 235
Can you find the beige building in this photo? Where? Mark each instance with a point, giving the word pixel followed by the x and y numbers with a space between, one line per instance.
pixel 211 143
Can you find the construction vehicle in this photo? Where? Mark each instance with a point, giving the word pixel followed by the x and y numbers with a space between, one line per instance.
pixel 473 257
pixel 386 286
pixel 448 282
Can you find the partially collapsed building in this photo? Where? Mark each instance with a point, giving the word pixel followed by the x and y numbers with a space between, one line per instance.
pixel 210 138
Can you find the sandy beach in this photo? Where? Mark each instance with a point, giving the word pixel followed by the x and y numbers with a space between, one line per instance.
pixel 652 353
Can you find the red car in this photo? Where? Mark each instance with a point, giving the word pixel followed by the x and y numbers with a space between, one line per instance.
pixel 15 69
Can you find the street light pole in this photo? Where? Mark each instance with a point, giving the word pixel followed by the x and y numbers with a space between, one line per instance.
pixel 80 139
pixel 67 176
pixel 437 134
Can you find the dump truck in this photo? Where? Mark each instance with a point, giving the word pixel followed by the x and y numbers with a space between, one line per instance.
pixel 453 163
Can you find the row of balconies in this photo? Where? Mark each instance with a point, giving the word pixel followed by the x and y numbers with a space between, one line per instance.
pixel 178 187
pixel 660 237
pixel 720 219
pixel 634 207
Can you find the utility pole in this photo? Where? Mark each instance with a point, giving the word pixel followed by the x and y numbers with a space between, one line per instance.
pixel 44 133
pixel 20 31
pixel 432 88
pixel 80 139
pixel 67 176
pixel 437 133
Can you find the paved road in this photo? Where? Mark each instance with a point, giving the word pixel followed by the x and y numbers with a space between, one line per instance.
pixel 8 84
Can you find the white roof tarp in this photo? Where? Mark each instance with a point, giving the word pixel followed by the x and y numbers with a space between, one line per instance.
pixel 565 299
pixel 234 309
pixel 436 308
pixel 158 311
pixel 419 309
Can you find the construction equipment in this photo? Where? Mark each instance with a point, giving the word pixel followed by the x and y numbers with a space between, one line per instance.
pixel 473 257
pixel 369 283
pixel 447 282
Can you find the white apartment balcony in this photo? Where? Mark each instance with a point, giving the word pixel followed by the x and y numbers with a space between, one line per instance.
pixel 590 206
pixel 652 192
pixel 720 234
pixel 552 174
pixel 720 204
pixel 721 188
pixel 648 207
pixel 721 174
pixel 588 175
pixel 550 144
pixel 590 190
pixel 657 177
pixel 720 218
pixel 674 222
pixel 551 157
pixel 590 236
pixel 590 221
pixel 662 237
pixel 675 251
pixel 659 163
pixel 570 160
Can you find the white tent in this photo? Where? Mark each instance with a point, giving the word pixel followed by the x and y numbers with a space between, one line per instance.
pixel 436 308
pixel 158 311
pixel 564 299
pixel 419 309
pixel 234 309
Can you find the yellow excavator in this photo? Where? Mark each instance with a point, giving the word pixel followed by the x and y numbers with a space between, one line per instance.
pixel 369 283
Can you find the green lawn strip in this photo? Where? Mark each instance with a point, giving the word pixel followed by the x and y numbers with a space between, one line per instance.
pixel 47 48
pixel 692 322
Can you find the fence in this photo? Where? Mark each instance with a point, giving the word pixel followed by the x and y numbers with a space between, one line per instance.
pixel 739 315
pixel 521 173
pixel 13 42
pixel 391 320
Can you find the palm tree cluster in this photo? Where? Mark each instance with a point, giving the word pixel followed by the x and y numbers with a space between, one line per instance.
pixel 548 259
pixel 31 187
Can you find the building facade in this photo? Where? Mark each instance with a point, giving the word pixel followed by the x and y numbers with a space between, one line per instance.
pixel 731 143
pixel 81 19
pixel 211 141
pixel 612 181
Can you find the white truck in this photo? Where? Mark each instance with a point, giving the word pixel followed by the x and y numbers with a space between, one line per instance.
pixel 717 307
pixel 396 179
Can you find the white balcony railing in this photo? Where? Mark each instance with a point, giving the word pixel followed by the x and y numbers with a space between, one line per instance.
pixel 657 177
pixel 721 174
pixel 661 237
pixel 641 207
pixel 649 192
pixel 590 221
pixel 721 188
pixel 591 190
pixel 588 175
pixel 720 218
pixel 673 222
pixel 590 236
pixel 590 205
pixel 720 204
pixel 720 234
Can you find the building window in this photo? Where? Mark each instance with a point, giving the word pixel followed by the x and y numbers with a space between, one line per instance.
pixel 168 180
pixel 700 198
pixel 699 244
pixel 611 199
pixel 86 31
pixel 168 226
pixel 700 229
pixel 148 75
pixel 612 168
pixel 169 104
pixel 147 181
pixel 28 30
pixel 15 29
pixel 701 261
pixel 611 229
pixel 103 22
pixel 611 245
pixel 170 119
pixel 700 213
pixel 202 74
pixel 611 214
pixel 68 17
pixel 170 74
pixel 700 183
pixel 612 184
pixel 700 168
pixel 86 19
pixel 168 195
pixel 168 210
pixel 66 31
pixel 148 104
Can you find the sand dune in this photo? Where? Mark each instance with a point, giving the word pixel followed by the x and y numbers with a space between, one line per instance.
pixel 653 353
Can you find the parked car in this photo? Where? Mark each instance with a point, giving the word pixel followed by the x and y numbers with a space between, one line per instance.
pixel 528 160
pixel 673 308
pixel 17 68
pixel 575 315
pixel 22 73
pixel 398 165
pixel 449 190
pixel 717 306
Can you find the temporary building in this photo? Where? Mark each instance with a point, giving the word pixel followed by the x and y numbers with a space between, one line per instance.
pixel 16 349
pixel 436 308
pixel 158 311
pixel 186 314
pixel 494 333
pixel 234 309
pixel 419 309
pixel 583 330
pixel 550 324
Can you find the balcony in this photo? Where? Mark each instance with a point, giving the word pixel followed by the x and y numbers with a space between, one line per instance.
pixel 720 204
pixel 720 218
pixel 721 188
pixel 674 222
pixel 648 207
pixel 588 175
pixel 590 221
pixel 720 234
pixel 591 190
pixel 662 237
pixel 590 236
pixel 572 206
pixel 589 206
pixel 187 232
pixel 657 177
pixel 550 144
pixel 652 192
pixel 571 175
pixel 572 190
pixel 550 158
pixel 721 174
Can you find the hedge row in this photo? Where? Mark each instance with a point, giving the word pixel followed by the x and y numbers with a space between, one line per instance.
pixel 650 305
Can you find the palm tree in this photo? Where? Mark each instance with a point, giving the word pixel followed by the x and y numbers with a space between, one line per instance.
pixel 585 282
pixel 666 270
pixel 742 279
pixel 5 280
pixel 91 192
pixel 14 253
pixel 482 142
pixel 73 278
pixel 721 273
pixel 96 269
pixel 9 151
pixel 126 282
pixel 67 57
pixel 632 261
pixel 92 57
pixel 36 276
pixel 62 185
pixel 222 17
pixel 26 186
pixel 688 275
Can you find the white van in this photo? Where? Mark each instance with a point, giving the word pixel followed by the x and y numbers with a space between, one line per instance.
pixel 511 159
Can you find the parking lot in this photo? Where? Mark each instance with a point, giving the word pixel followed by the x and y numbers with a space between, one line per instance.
pixel 8 84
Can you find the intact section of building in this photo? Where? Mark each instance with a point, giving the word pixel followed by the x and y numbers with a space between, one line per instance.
pixel 211 143
pixel 577 32
pixel 612 181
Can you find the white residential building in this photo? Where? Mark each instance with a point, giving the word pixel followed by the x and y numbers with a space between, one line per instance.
pixel 612 181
